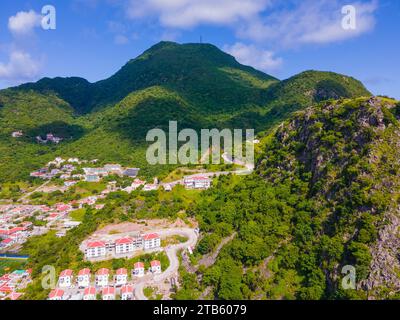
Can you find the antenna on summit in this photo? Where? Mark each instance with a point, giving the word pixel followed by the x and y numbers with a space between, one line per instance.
pixel 201 39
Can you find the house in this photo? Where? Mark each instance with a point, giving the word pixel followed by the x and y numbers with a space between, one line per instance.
pixel 92 178
pixel 65 279
pixel 138 270
pixel 108 293
pixel 95 171
pixel 84 276
pixel 155 267
pixel 61 207
pixel 56 294
pixel 113 169
pixel 127 292
pixel 168 188
pixel 131 172
pixel 15 296
pixel 95 250
pixel 199 182
pixel 69 183
pixel 5 290
pixel 134 186
pixel 7 243
pixel 151 241
pixel 89 294
pixel 121 277
pixel 124 245
pixel 150 187
pixel 102 277
pixel 17 134
pixel 65 176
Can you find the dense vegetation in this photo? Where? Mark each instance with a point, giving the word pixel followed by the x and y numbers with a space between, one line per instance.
pixel 325 186
pixel 195 84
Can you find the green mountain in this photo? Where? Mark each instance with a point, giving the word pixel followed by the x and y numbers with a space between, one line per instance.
pixel 209 78
pixel 197 85
pixel 324 196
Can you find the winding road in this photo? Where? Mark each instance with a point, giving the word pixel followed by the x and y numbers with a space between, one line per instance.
pixel 172 252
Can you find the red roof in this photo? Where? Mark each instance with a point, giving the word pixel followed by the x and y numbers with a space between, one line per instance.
pixel 3 231
pixel 108 290
pixel 66 273
pixel 16 229
pixel 200 178
pixel 103 272
pixel 6 277
pixel 155 263
pixel 15 296
pixel 127 289
pixel 84 272
pixel 6 289
pixel 89 291
pixel 63 207
pixel 56 293
pixel 139 265
pixel 96 244
pixel 122 271
pixel 151 236
pixel 7 241
pixel 126 240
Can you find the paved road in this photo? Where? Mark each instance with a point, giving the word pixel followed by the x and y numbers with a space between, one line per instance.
pixel 171 252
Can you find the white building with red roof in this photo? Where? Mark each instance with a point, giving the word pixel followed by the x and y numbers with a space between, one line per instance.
pixel 65 279
pixel 155 267
pixel 96 249
pixel 89 294
pixel 138 270
pixel 198 182
pixel 84 276
pixel 108 293
pixel 56 294
pixel 102 277
pixel 7 243
pixel 124 245
pixel 151 241
pixel 127 292
pixel 121 277
pixel 5 290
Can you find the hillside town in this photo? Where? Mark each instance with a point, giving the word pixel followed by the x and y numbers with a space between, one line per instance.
pixel 12 284
pixel 125 247
pixel 103 284
pixel 19 222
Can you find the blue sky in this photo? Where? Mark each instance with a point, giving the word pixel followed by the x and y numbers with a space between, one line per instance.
pixel 94 38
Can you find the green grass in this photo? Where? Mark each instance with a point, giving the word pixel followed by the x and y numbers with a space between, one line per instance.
pixel 78 215
pixel 9 265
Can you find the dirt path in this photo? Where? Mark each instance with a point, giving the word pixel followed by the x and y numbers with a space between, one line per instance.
pixel 27 195
pixel 210 259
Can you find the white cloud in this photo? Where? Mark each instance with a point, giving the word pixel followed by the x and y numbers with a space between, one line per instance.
pixel 190 13
pixel 309 22
pixel 283 23
pixel 20 67
pixel 252 56
pixel 120 39
pixel 24 22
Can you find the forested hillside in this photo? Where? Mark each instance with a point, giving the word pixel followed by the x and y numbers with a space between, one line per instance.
pixel 325 195
pixel 197 85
